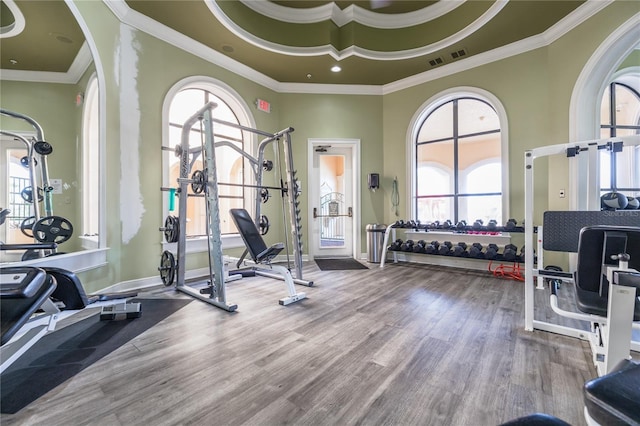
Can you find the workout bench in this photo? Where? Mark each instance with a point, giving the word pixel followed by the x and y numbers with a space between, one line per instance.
pixel 24 290
pixel 263 255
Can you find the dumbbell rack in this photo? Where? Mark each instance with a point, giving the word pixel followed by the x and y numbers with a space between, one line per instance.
pixel 501 239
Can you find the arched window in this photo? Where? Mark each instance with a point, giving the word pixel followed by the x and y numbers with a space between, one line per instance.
pixel 183 101
pixel 620 116
pixel 91 165
pixel 458 161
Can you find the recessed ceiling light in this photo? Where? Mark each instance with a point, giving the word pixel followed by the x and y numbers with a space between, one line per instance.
pixel 336 68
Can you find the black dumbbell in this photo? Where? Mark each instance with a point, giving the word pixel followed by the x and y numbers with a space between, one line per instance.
pixel 510 253
pixel 492 225
pixel 478 225
pixel 419 247
pixel 446 224
pixel 476 251
pixel 520 258
pixel 399 224
pixel 460 250
pixel 461 225
pixel 395 246
pixel 432 248
pixel 407 245
pixel 511 225
pixel 491 252
pixel 445 248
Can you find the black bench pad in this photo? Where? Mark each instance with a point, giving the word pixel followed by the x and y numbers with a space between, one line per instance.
pixel 538 419
pixel 15 312
pixel 614 399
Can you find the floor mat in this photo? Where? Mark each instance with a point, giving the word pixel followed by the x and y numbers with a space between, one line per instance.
pixel 339 264
pixel 60 355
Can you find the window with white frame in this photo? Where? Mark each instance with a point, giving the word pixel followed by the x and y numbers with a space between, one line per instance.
pixel 620 116
pixel 458 162
pixel 232 168
pixel 91 162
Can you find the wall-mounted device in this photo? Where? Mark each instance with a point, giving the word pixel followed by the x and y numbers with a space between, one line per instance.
pixel 374 181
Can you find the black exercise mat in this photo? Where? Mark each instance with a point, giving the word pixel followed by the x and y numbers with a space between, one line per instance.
pixel 60 355
pixel 339 264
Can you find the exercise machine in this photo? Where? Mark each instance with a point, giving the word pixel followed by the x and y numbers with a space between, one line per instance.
pixel 561 232
pixel 33 300
pixel 43 226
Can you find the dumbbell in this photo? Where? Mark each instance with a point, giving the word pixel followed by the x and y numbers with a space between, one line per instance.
pixel 476 251
pixel 395 246
pixel 461 225
pixel 520 258
pixel 478 225
pixel 419 247
pixel 446 224
pixel 511 224
pixel 492 225
pixel 491 252
pixel 432 248
pixel 510 253
pixel 445 248
pixel 399 224
pixel 407 245
pixel 460 250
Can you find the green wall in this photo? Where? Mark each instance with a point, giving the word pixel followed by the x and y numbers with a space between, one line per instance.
pixel 534 88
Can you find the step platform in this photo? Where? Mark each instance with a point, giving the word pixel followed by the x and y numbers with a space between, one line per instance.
pixel 121 311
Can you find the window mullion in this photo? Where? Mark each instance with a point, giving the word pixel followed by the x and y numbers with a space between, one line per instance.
pixel 455 162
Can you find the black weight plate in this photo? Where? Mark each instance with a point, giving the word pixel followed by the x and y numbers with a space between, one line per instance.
pixel 52 229
pixel 167 268
pixel 43 148
pixel 26 227
pixel 27 194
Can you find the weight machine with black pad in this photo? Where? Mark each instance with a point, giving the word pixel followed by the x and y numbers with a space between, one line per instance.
pixel 206 181
pixel 561 231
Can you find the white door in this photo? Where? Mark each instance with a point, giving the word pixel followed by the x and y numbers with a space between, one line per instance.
pixel 331 199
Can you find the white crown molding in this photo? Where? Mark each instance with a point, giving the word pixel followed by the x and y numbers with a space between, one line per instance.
pixel 575 18
pixel 143 23
pixel 562 27
pixel 17 26
pixel 352 13
pixel 80 63
pixel 250 38
pixel 330 89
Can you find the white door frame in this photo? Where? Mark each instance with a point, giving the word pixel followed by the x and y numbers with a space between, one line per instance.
pixel 354 145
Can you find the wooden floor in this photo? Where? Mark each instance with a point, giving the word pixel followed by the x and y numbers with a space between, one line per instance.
pixel 407 345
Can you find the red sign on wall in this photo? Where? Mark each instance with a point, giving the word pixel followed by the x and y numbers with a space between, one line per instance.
pixel 263 105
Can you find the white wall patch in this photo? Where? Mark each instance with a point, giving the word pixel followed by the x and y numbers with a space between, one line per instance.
pixel 131 201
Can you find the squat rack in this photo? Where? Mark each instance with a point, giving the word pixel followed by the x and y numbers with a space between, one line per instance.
pixel 217 296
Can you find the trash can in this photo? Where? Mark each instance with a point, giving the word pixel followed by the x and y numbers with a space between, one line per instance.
pixel 375 239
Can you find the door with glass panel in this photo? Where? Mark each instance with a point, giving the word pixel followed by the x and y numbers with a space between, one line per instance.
pixel 331 198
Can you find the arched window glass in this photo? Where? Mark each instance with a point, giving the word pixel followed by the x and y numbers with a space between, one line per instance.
pixel 620 116
pixel 458 162
pixel 91 162
pixel 230 165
